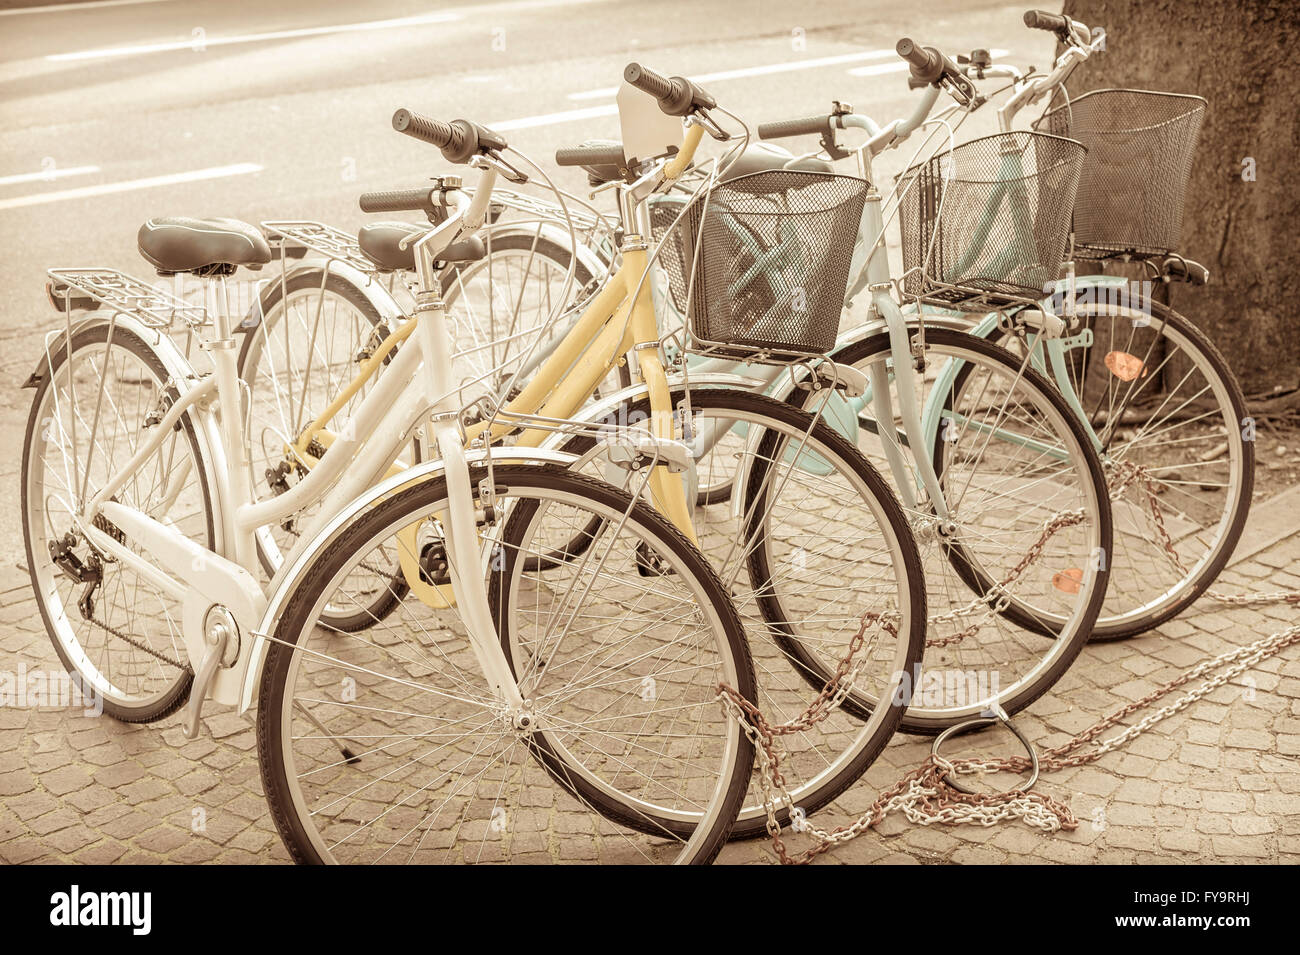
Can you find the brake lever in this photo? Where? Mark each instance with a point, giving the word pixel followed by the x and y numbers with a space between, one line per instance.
pixel 829 141
pixel 702 117
pixel 494 160
pixel 961 89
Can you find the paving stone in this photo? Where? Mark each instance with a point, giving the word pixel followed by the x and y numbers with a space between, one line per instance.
pixel 102 853
pixel 1179 840
pixel 1230 847
pixel 1218 782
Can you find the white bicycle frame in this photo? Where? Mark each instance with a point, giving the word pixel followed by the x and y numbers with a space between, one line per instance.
pixel 224 580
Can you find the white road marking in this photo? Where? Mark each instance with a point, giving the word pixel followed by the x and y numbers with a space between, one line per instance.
pixel 216 172
pixel 758 71
pixel 550 119
pixel 195 43
pixel 592 112
pixel 898 67
pixel 60 7
pixel 880 69
pixel 47 175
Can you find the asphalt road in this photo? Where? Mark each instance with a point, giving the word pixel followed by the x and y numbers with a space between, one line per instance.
pixel 282 110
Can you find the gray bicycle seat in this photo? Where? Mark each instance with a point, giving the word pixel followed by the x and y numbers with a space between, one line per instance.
pixel 183 244
pixel 765 157
pixel 381 242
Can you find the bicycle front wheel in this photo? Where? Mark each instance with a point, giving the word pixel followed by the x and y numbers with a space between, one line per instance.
pixel 1016 573
pixel 389 746
pixel 815 550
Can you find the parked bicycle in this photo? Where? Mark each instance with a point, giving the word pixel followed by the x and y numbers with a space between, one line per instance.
pixel 1157 399
pixel 461 729
pixel 966 584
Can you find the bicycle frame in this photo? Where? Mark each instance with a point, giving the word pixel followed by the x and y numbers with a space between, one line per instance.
pixel 870 269
pixel 401 401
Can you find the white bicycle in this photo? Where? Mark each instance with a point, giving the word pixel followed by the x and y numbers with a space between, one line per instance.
pixel 495 715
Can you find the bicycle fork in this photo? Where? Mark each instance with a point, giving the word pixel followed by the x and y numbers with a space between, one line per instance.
pixel 459 524
pixel 921 474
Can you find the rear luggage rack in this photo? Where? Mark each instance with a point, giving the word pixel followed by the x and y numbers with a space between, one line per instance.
pixel 125 294
pixel 318 237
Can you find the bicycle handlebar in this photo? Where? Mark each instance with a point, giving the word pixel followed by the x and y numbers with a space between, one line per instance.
pixel 927 62
pixel 677 95
pixel 460 140
pixel 400 200
pixel 1042 20
pixel 930 67
pixel 1067 30
pixel 782 128
pixel 610 154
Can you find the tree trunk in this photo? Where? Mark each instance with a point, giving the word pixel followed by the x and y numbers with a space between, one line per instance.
pixel 1240 55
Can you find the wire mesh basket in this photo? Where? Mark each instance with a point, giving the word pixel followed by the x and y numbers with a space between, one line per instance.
pixel 1140 149
pixel 664 211
pixel 773 262
pixel 987 221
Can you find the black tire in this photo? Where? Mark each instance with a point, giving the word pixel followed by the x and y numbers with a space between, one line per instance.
pixel 968 570
pixel 1114 628
pixel 810 666
pixel 720 494
pixel 95 336
pixel 420 499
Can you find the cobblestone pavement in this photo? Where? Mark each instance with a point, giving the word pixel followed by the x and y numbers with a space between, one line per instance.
pixel 1219 782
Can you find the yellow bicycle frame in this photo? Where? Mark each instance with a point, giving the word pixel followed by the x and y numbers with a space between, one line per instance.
pixel 618 320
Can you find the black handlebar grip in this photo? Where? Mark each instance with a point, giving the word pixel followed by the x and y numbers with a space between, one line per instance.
pixel 603 155
pixel 468 139
pixel 794 127
pixel 648 81
pixel 400 200
pixel 914 54
pixel 459 140
pixel 677 95
pixel 423 128
pixel 1042 20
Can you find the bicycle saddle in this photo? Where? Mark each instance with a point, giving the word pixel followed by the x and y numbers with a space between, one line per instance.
pixel 183 244
pixel 765 157
pixel 381 242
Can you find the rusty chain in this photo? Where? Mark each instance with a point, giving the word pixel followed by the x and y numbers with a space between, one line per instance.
pixel 998 598
pixel 1134 473
pixel 924 796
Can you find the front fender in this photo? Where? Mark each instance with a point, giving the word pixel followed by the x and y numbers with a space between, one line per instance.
pixel 305 555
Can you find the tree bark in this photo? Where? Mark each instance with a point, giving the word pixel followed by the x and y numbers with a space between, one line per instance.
pixel 1239 55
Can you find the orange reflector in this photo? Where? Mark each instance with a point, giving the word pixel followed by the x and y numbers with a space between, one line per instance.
pixel 1124 366
pixel 1068 581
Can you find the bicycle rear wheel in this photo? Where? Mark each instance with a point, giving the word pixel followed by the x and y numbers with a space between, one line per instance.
pixel 116 632
pixel 387 745
pixel 1179 455
pixel 316 328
